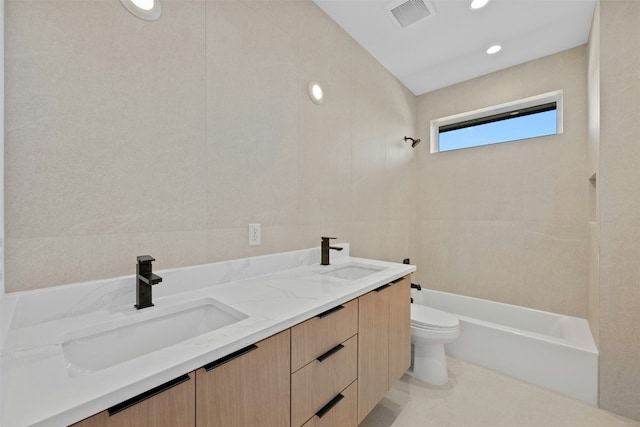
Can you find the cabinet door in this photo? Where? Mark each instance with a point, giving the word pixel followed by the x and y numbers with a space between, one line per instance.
pixel 251 389
pixel 169 405
pixel 399 329
pixel 373 354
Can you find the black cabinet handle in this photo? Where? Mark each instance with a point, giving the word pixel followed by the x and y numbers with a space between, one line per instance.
pixel 329 353
pixel 397 280
pixel 147 394
pixel 326 408
pixel 382 287
pixel 330 311
pixel 229 357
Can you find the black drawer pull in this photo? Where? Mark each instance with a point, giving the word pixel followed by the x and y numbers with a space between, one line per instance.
pixel 326 408
pixel 330 311
pixel 229 357
pixel 329 353
pixel 383 287
pixel 397 280
pixel 147 394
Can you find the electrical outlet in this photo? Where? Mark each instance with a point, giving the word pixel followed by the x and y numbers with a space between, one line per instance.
pixel 254 235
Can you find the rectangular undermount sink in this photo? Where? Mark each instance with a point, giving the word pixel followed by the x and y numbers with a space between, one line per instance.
pixel 107 344
pixel 352 271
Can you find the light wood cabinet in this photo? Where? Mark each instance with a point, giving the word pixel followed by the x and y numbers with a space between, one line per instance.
pixel 315 336
pixel 317 383
pixel 384 341
pixel 324 362
pixel 399 329
pixel 247 389
pixel 373 325
pixel 340 411
pixel 169 405
pixel 328 371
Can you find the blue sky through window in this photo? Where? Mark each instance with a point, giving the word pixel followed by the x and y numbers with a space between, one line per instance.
pixel 513 129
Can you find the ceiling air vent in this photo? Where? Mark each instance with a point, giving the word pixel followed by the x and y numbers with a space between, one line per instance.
pixel 411 11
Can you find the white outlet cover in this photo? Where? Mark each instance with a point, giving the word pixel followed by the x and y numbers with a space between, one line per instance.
pixel 254 235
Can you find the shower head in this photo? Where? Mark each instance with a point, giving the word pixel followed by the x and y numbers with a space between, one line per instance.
pixel 414 142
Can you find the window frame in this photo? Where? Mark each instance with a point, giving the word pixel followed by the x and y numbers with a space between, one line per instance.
pixel 464 119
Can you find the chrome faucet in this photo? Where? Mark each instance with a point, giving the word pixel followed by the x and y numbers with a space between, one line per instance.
pixel 324 247
pixel 145 279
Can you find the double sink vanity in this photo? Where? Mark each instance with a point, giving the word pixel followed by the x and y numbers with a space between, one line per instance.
pixel 276 340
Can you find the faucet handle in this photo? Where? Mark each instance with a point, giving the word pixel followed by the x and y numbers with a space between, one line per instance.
pixel 328 238
pixel 145 259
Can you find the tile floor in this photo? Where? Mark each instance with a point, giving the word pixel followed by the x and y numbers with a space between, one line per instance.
pixel 478 397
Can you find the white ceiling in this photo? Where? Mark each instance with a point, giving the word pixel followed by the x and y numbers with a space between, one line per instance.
pixel 450 46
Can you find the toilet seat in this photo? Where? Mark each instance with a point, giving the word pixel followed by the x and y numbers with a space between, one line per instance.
pixel 429 318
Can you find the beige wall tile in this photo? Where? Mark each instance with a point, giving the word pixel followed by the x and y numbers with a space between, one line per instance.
pixel 123 138
pixel 483 183
pixel 231 243
pixel 619 154
pixel 594 281
pixel 618 203
pixel 251 119
pixel 556 255
pixel 99 151
pixel 502 206
pixel 555 185
pixel 476 258
pixel 324 161
pixel 384 240
pixel 308 236
pixel 439 252
pixel 70 259
pixel 492 261
pixel 282 14
pixel 539 79
pixel 619 298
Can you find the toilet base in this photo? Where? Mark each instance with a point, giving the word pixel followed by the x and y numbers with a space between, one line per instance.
pixel 430 364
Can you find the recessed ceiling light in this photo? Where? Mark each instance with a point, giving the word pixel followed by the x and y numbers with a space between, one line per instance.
pixel 315 92
pixel 494 49
pixel 477 4
pixel 147 4
pixel 149 10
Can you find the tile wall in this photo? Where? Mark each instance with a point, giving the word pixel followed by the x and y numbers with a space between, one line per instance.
pixel 126 137
pixel 619 207
pixel 508 222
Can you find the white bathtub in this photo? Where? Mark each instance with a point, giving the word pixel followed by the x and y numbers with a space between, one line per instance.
pixel 551 350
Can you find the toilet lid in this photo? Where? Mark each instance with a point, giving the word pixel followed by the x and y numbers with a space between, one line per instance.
pixel 430 318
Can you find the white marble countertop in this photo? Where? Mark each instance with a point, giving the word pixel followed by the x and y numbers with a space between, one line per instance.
pixel 285 289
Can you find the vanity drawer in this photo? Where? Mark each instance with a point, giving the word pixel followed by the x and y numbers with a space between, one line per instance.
pixel 321 380
pixel 315 336
pixel 341 411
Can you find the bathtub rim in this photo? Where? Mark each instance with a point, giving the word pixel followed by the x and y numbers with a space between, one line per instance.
pixel 589 346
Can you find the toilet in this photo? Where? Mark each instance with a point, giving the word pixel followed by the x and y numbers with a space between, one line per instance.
pixel 431 329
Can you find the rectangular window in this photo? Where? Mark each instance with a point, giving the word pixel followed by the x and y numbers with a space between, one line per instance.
pixel 527 118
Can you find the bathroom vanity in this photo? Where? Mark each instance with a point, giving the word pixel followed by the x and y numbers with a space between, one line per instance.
pixel 308 345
